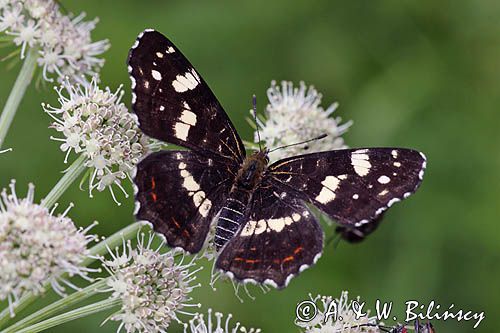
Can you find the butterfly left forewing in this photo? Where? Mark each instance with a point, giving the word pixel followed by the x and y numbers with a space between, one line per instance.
pixel 353 186
pixel 174 104
pixel 278 239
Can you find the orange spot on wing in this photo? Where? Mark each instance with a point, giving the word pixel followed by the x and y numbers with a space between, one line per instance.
pixel 186 233
pixel 153 195
pixel 297 250
pixel 290 258
pixel 250 261
pixel 176 223
pixel 153 183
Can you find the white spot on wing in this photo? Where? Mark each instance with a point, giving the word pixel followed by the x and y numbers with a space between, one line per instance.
pixel 170 50
pixel 384 179
pixel 325 196
pixel 159 54
pixel 156 75
pixel 355 196
pixel 186 82
pixel 253 227
pixel 189 183
pixel 330 185
pixel 188 117
pixel 181 131
pixel 199 197
pixel 360 162
pixel 276 224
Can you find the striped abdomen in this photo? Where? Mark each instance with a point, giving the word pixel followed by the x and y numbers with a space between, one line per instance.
pixel 231 216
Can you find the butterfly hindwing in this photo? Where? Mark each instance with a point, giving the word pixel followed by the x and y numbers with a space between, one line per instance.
pixel 174 104
pixel 278 239
pixel 353 186
pixel 179 193
pixel 357 234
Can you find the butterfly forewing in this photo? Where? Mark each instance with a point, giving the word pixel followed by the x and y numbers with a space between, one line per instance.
pixel 353 186
pixel 278 239
pixel 179 193
pixel 174 104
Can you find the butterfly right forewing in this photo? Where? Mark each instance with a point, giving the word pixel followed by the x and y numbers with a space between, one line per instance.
pixel 174 104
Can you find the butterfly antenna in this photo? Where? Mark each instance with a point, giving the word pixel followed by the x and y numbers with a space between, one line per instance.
pixel 254 103
pixel 322 136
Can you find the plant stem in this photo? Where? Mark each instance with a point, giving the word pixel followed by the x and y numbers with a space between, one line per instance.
pixel 97 250
pixel 57 306
pixel 70 175
pixel 72 315
pixel 16 94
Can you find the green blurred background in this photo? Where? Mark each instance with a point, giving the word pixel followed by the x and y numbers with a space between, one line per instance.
pixel 420 74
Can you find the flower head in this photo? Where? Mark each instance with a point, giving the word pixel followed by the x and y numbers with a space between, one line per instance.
pixel 36 246
pixel 152 286
pixel 199 325
pixel 64 44
pixel 294 115
pixel 345 320
pixel 96 124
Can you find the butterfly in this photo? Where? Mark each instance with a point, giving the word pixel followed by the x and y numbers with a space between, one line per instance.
pixel 265 232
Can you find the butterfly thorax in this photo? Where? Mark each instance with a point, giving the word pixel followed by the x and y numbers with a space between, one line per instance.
pixel 252 170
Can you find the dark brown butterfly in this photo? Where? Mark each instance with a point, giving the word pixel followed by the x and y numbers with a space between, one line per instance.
pixel 264 231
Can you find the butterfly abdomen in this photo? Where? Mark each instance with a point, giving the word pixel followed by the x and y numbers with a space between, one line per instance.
pixel 231 215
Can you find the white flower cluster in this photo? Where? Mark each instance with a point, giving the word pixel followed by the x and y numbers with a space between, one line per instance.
pixel 63 41
pixel 294 115
pixel 199 325
pixel 347 321
pixel 153 287
pixel 97 124
pixel 37 247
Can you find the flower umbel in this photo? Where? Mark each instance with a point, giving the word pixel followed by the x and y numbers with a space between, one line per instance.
pixel 152 286
pixel 199 325
pixel 294 115
pixel 37 247
pixel 64 42
pixel 95 123
pixel 346 319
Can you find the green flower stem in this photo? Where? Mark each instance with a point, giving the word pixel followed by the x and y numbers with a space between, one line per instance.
pixel 16 95
pixel 57 306
pixel 97 250
pixel 72 315
pixel 70 175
